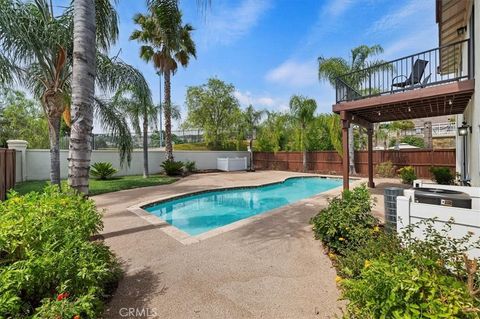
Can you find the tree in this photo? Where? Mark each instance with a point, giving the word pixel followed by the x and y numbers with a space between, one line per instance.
pixel 167 43
pixel 302 110
pixel 331 68
pixel 213 108
pixel 398 126
pixel 83 93
pixel 139 108
pixel 42 61
pixel 274 132
pixel 23 119
pixel 326 126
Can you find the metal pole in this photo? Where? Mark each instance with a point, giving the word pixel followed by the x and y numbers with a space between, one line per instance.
pixel 160 110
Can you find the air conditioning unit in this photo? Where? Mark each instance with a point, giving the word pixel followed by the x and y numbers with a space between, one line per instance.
pixel 442 197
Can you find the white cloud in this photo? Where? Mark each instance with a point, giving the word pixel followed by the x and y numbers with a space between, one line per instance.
pixel 246 98
pixel 402 16
pixel 231 23
pixel 336 7
pixel 412 43
pixel 294 73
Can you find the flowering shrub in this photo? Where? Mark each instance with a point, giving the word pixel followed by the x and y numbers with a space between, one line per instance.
pixel 386 276
pixel 407 174
pixel 399 289
pixel 50 267
pixel 346 221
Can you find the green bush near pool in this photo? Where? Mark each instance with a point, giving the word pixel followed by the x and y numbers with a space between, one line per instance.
pixel 50 267
pixel 383 275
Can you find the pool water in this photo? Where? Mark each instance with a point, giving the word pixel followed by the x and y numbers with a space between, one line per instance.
pixel 199 213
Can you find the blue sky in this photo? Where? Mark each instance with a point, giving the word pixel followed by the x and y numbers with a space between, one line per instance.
pixel 268 49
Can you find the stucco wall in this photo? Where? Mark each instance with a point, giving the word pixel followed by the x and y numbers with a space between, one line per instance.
pixel 38 161
pixel 18 166
pixel 472 116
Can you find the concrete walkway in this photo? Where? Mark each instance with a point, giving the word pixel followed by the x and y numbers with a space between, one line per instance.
pixel 269 268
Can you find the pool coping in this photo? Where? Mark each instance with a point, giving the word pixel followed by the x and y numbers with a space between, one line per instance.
pixel 186 239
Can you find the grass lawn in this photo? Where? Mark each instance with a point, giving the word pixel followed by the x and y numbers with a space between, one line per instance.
pixel 106 186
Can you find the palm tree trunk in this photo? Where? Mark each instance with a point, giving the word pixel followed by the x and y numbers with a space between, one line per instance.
pixel 168 118
pixel 145 144
pixel 351 150
pixel 83 90
pixel 54 137
pixel 304 160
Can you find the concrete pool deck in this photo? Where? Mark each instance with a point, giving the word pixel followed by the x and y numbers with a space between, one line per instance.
pixel 270 267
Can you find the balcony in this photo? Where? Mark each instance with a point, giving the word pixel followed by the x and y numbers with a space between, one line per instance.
pixel 426 84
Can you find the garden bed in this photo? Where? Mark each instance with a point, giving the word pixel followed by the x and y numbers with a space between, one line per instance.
pixel 49 265
pixel 383 275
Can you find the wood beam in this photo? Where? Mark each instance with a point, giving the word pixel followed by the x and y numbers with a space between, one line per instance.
pixel 345 158
pixel 371 184
pixel 408 96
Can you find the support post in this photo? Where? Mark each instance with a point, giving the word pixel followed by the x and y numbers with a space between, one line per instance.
pixel 345 159
pixel 371 184
pixel 21 146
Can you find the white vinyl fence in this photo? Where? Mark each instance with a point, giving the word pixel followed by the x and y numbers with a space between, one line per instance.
pixel 36 164
pixel 464 220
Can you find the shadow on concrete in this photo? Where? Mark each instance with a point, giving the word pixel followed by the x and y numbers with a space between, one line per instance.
pixel 380 187
pixel 282 225
pixel 129 231
pixel 134 293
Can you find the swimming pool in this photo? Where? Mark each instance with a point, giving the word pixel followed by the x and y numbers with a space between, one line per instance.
pixel 202 212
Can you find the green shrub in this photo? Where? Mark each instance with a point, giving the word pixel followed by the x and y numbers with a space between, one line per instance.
pixel 386 169
pixel 172 168
pixel 190 166
pixel 407 174
pixel 413 140
pixel 398 288
pixel 442 175
pixel 50 267
pixel 102 170
pixel 346 221
pixel 379 245
pixel 406 277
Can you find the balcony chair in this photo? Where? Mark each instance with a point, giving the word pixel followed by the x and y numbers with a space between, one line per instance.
pixel 414 78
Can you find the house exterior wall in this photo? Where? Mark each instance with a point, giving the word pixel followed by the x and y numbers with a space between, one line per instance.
pixel 472 114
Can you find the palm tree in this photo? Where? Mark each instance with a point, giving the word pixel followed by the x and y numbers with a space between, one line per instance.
pixel 42 61
pixel 140 109
pixel 331 68
pixel 83 93
pixel 167 43
pixel 302 110
pixel 250 120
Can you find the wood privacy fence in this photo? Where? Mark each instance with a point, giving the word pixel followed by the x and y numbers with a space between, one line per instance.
pixel 7 171
pixel 330 162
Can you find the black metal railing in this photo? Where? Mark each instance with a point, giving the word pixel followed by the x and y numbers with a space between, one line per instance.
pixel 432 67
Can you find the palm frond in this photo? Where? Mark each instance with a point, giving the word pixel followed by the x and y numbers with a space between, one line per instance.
pixel 115 123
pixel 107 24
pixel 112 74
pixel 331 68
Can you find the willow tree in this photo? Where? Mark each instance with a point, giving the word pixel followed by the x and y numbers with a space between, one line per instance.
pixel 330 69
pixel 302 110
pixel 167 43
pixel 42 61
